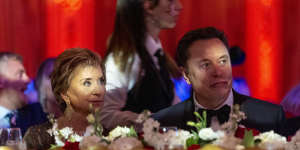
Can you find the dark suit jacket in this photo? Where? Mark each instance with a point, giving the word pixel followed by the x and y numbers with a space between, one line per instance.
pixel 261 115
pixel 29 115
pixel 291 126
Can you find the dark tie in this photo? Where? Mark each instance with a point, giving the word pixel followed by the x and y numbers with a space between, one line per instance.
pixel 164 72
pixel 222 114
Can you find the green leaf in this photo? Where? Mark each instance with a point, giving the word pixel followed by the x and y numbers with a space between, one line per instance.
pixel 192 140
pixel 201 121
pixel 204 142
pixel 248 140
pixel 132 132
pixel 53 147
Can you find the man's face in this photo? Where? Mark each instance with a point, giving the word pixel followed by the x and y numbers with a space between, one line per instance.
pixel 13 74
pixel 209 70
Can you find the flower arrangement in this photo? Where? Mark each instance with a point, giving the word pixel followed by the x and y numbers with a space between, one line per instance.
pixel 294 144
pixel 160 140
pixel 120 132
pixel 62 136
pixel 229 136
pixel 203 135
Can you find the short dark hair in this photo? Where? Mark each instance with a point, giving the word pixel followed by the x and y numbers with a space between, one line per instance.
pixel 190 37
pixel 64 66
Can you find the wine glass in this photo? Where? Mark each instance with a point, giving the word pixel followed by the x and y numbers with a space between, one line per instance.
pixel 168 128
pixel 14 137
pixel 4 132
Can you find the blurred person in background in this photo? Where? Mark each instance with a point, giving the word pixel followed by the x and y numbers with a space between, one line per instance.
pixel 138 71
pixel 43 86
pixel 13 83
pixel 36 113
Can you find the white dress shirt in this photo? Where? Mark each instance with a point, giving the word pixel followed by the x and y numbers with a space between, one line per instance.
pixel 215 125
pixel 4 121
pixel 228 101
pixel 118 84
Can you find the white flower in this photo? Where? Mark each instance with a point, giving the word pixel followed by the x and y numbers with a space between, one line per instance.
pixel 66 132
pixel 271 140
pixel 270 136
pixel 75 138
pixel 63 135
pixel 208 134
pixel 118 132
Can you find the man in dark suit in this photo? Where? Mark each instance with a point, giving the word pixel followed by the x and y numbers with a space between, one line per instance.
pixel 13 82
pixel 14 110
pixel 205 62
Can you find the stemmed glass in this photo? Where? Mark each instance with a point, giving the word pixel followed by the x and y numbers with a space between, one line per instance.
pixel 4 132
pixel 15 139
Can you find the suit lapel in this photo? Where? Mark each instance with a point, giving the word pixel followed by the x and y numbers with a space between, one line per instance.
pixel 238 98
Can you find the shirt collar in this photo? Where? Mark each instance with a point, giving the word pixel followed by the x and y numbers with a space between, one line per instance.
pixel 3 111
pixel 152 45
pixel 229 102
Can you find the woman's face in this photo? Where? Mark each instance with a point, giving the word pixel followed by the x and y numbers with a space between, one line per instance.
pixel 87 87
pixel 166 13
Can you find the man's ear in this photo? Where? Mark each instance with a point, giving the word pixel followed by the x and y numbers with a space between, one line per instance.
pixel 148 6
pixel 185 75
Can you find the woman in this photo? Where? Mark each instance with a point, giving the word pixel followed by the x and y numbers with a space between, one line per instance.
pixel 77 82
pixel 138 72
pixel 43 85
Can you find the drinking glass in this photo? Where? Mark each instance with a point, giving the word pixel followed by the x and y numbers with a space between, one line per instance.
pixel 14 138
pixel 166 129
pixel 4 132
pixel 15 135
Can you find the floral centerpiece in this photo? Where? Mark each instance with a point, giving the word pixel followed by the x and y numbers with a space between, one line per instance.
pixel 64 137
pixel 229 136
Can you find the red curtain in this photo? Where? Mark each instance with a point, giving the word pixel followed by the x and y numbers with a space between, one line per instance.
pixel 22 28
pixel 266 29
